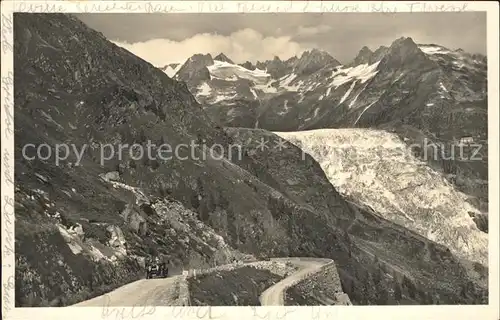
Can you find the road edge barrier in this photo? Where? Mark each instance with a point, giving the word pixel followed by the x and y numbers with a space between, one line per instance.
pixel 338 296
pixel 304 277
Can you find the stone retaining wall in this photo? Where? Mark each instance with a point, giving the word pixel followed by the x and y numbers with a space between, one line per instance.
pixel 183 299
pixel 278 268
pixel 319 287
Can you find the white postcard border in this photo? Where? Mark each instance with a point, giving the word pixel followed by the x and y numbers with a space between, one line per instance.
pixel 241 313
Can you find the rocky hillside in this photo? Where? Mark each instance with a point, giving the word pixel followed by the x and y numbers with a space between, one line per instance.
pixel 426 93
pixel 84 229
pixel 85 224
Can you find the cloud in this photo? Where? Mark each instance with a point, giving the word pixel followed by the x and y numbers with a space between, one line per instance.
pixel 240 46
pixel 311 31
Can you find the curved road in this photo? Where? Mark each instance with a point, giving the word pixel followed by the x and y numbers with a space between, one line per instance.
pixel 165 292
pixel 274 296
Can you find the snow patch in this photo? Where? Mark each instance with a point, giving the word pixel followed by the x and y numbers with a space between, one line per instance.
pixel 254 93
pixel 43 178
pixel 458 64
pixel 204 89
pixel 231 78
pixel 315 112
pixel 399 77
pixel 367 107
pixel 351 104
pixel 222 97
pixel 286 108
pixel 49 118
pixel 441 85
pixel 286 80
pixel 348 92
pixel 433 50
pixel 362 72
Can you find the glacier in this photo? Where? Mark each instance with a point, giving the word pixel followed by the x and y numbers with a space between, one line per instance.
pixel 378 170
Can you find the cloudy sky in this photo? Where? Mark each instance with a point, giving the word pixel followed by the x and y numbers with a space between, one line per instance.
pixel 167 38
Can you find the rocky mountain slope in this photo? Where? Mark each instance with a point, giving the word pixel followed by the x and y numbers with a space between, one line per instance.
pixel 85 229
pixel 432 97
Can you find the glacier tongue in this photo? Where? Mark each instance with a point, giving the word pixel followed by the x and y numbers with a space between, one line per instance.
pixel 378 170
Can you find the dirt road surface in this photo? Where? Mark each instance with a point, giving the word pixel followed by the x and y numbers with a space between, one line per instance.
pixel 274 296
pixel 150 292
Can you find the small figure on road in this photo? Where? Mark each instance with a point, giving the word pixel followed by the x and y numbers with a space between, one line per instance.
pixel 157 267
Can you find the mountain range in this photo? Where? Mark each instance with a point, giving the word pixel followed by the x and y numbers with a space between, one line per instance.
pixel 83 230
pixel 431 96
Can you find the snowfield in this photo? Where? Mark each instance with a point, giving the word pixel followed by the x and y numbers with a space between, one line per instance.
pixel 362 72
pixel 204 89
pixel 227 71
pixel 263 83
pixel 428 49
pixel 378 170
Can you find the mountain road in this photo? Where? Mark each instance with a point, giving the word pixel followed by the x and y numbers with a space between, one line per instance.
pixel 165 292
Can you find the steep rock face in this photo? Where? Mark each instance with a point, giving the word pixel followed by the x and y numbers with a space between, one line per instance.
pixel 248 65
pixel 363 56
pixel 378 54
pixel 275 67
pixel 195 68
pixel 312 61
pixel 404 53
pixel 224 58
pixel 366 56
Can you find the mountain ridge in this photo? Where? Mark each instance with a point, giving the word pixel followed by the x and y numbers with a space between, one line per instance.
pixel 363 54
